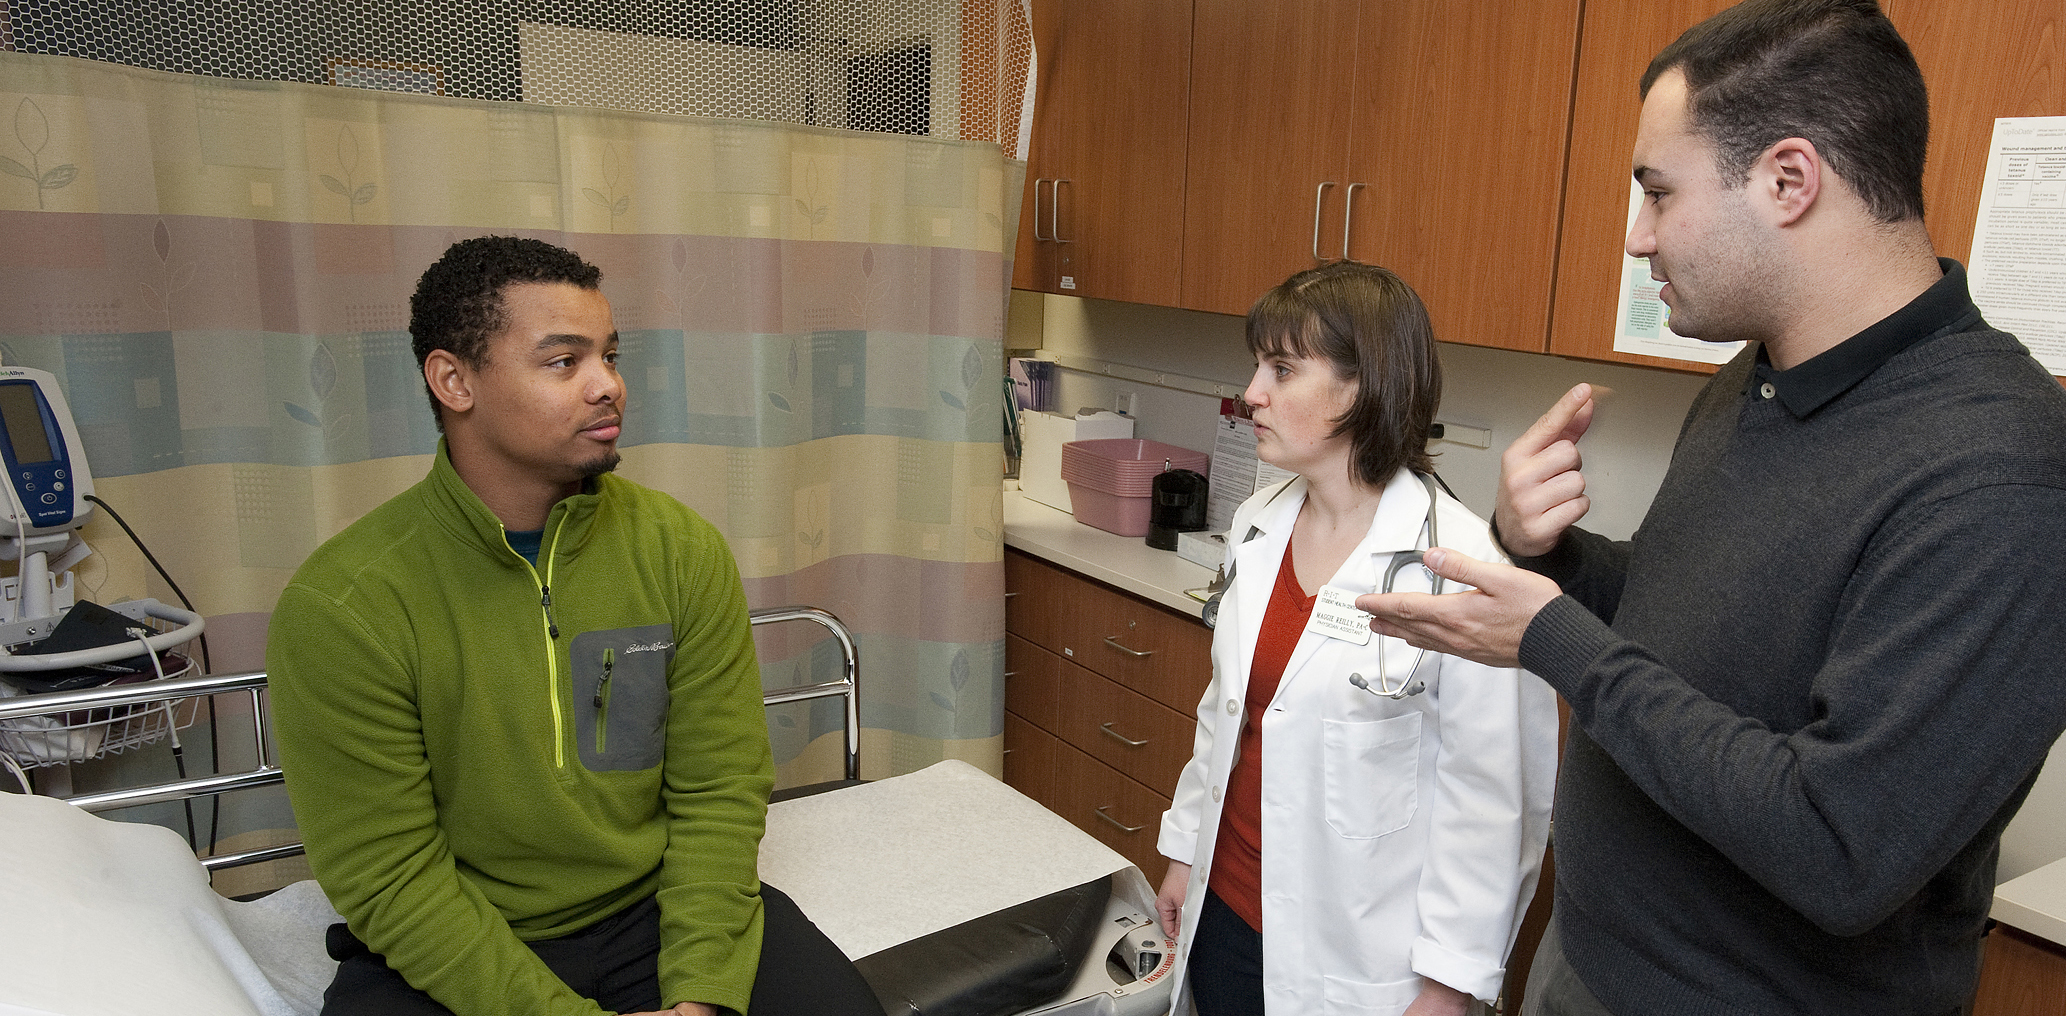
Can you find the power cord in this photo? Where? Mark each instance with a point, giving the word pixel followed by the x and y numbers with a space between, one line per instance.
pixel 207 667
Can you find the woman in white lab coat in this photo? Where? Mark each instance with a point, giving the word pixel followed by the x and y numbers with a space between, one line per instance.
pixel 1334 849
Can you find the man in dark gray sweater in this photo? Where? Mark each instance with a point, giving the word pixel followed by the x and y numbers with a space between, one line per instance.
pixel 1811 691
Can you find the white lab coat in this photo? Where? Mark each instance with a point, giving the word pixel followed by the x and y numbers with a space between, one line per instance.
pixel 1400 838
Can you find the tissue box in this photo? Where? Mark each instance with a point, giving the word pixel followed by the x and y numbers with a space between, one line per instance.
pixel 1206 550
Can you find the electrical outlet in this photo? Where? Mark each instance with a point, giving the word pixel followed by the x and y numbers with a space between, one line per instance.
pixel 1469 437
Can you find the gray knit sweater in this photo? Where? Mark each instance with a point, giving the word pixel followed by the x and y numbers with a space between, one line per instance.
pixel 1811 691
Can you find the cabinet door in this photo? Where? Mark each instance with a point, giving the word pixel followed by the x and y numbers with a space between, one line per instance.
pixel 1033 682
pixel 1620 37
pixel 2020 975
pixel 1031 761
pixel 1270 83
pixel 1105 190
pixel 1462 114
pixel 1980 61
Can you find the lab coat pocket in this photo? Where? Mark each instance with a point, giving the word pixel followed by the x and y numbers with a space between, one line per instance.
pixel 1372 774
pixel 1338 995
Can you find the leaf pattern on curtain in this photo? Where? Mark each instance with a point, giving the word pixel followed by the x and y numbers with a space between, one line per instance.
pixel 811 321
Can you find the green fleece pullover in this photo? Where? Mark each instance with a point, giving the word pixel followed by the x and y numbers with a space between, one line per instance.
pixel 481 753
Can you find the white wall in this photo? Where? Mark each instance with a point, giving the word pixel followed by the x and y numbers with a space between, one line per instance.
pixel 1626 451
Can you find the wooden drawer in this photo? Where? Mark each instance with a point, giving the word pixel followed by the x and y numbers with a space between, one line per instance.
pixel 1032 682
pixel 1141 738
pixel 2020 975
pixel 1035 593
pixel 1123 814
pixel 1157 652
pixel 1030 755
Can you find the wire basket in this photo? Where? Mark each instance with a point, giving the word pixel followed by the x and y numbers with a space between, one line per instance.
pixel 76 735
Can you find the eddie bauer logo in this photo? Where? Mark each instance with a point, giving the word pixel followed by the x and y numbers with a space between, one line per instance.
pixel 648 647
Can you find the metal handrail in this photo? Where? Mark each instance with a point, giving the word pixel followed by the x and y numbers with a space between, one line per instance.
pixel 850 674
pixel 265 774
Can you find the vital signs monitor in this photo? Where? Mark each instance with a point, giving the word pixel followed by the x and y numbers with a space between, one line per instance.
pixel 47 479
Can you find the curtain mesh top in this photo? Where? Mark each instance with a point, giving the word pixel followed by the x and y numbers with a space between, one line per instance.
pixel 942 68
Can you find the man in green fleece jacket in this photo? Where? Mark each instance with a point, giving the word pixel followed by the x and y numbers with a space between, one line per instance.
pixel 518 704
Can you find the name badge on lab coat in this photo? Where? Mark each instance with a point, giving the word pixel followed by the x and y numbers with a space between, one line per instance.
pixel 1335 616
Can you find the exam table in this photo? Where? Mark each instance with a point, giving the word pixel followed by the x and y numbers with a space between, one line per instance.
pixel 954 894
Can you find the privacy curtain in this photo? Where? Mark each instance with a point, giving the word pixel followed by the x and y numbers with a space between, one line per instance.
pixel 218 272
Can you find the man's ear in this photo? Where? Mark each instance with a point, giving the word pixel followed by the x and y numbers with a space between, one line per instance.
pixel 1790 178
pixel 450 381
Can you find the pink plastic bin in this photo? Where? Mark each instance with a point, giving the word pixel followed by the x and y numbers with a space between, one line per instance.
pixel 1111 480
pixel 1119 514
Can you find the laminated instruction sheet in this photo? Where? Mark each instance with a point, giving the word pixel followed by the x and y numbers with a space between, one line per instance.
pixel 2017 270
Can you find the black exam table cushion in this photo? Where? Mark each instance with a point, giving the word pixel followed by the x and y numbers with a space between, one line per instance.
pixel 995 965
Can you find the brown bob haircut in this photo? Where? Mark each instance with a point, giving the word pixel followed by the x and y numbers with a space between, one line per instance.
pixel 1371 326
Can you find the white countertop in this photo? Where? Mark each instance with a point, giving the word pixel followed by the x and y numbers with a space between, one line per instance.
pixel 1129 563
pixel 2035 902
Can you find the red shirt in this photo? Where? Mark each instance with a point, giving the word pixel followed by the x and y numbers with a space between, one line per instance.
pixel 1237 858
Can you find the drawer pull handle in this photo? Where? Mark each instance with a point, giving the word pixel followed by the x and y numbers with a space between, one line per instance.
pixel 1123 827
pixel 1121 738
pixel 1011 673
pixel 1010 595
pixel 1135 653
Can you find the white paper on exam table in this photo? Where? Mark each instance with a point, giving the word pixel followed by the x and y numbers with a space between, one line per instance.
pixel 116 918
pixel 886 862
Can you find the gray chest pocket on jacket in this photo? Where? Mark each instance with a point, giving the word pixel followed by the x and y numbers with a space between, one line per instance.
pixel 620 696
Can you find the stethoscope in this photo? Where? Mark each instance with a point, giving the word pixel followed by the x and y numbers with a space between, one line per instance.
pixel 1406 686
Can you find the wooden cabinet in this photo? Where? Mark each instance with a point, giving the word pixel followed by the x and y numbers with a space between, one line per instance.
pixel 2020 975
pixel 1980 62
pixel 1100 690
pixel 1458 142
pixel 1103 210
pixel 1424 136
pixel 1240 141
pixel 1269 144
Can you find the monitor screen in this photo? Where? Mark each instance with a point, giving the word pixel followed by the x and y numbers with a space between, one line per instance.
pixel 23 418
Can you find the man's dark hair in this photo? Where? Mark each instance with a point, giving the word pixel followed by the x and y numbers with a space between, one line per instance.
pixel 458 301
pixel 1834 72
pixel 1371 327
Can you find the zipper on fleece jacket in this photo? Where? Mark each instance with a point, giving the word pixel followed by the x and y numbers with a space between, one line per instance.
pixel 552 634
pixel 602 702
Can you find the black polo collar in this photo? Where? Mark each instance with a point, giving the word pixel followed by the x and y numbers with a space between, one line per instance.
pixel 1945 308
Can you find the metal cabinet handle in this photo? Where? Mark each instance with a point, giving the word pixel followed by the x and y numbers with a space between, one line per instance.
pixel 1009 595
pixel 1123 827
pixel 1136 653
pixel 1317 192
pixel 1348 217
pixel 1011 673
pixel 1122 738
pixel 1054 213
pixel 1037 181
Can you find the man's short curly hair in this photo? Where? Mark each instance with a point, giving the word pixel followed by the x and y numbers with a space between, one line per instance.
pixel 458 301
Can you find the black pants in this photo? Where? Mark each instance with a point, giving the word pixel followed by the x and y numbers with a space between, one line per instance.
pixel 1226 969
pixel 615 961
